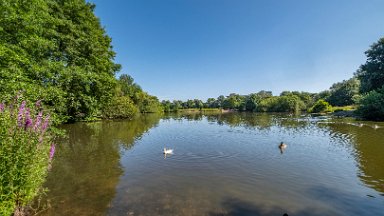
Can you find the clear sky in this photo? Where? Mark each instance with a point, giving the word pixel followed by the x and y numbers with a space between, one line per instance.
pixel 186 49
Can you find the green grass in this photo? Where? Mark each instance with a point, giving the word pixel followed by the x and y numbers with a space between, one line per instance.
pixel 344 108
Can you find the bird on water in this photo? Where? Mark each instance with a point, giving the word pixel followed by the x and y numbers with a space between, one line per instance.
pixel 282 147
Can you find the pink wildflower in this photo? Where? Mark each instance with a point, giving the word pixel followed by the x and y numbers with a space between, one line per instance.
pixel 45 125
pixel 38 104
pixel 20 114
pixel 51 151
pixel 28 120
pixel 2 106
pixel 38 121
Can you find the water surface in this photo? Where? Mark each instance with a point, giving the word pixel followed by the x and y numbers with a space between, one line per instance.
pixel 227 164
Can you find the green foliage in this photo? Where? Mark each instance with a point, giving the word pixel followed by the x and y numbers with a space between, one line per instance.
pixel 307 98
pixel 234 101
pixel 371 74
pixel 343 93
pixel 144 102
pixel 26 151
pixel 262 101
pixel 371 105
pixel 120 107
pixel 281 104
pixel 56 50
pixel 252 102
pixel 320 106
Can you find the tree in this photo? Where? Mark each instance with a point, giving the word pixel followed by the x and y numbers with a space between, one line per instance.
pixel 252 102
pixel 265 94
pixel 234 101
pixel 58 51
pixel 371 74
pixel 220 101
pixel 342 93
pixel 371 105
pixel 210 103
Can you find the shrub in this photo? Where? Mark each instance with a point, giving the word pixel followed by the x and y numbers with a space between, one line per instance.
pixel 320 106
pixel 281 104
pixel 371 105
pixel 120 107
pixel 26 152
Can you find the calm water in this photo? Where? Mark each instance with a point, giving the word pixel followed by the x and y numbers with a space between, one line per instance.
pixel 226 164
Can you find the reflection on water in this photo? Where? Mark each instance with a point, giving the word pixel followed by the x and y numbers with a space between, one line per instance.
pixel 227 164
pixel 368 143
pixel 87 167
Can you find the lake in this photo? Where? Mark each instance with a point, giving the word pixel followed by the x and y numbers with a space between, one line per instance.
pixel 227 164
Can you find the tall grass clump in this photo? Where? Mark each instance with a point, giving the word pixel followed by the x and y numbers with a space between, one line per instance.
pixel 26 153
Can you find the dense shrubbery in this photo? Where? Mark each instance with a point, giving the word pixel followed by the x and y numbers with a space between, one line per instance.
pixel 343 93
pixel 372 105
pixel 120 107
pixel 26 151
pixel 320 106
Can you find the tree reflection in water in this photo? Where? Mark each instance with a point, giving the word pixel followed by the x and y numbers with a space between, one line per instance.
pixel 87 166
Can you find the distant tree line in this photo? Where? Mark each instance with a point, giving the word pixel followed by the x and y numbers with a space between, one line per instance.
pixel 262 101
pixel 365 90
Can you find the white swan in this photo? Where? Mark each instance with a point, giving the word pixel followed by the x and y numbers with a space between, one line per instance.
pixel 167 151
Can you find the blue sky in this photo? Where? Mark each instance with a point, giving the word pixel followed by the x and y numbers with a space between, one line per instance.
pixel 186 49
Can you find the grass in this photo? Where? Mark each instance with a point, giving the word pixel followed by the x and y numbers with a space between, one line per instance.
pixel 344 108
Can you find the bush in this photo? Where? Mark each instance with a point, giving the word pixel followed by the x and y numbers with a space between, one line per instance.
pixel 320 106
pixel 281 104
pixel 371 105
pixel 26 152
pixel 120 107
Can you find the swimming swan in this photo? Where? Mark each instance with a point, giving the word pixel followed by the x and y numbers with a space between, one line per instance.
pixel 167 151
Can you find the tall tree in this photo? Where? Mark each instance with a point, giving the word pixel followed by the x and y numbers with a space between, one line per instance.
pixel 58 51
pixel 371 74
pixel 342 93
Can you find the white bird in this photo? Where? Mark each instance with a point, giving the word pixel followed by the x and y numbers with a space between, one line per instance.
pixel 167 151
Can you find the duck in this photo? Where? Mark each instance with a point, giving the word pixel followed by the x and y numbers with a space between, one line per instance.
pixel 167 151
pixel 282 145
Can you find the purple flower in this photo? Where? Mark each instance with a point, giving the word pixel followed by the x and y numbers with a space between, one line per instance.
pixel 38 121
pixel 45 125
pixel 20 114
pixel 28 120
pixel 2 106
pixel 22 106
pixel 38 104
pixel 51 151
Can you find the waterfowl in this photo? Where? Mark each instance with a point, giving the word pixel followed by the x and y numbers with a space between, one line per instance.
pixel 167 151
pixel 282 145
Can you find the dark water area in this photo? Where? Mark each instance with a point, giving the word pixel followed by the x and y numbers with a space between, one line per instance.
pixel 227 164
